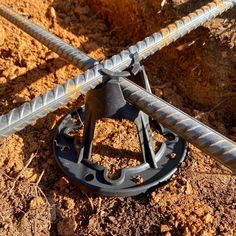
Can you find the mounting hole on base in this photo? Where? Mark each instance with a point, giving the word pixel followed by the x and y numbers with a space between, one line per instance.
pixel 89 177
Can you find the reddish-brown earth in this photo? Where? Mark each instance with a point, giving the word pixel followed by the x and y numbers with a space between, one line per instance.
pixel 196 74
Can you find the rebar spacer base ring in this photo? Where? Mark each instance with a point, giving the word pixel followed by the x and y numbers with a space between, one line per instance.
pixel 93 177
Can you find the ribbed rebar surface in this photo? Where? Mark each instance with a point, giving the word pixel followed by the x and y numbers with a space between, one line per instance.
pixel 200 135
pixel 195 132
pixel 54 43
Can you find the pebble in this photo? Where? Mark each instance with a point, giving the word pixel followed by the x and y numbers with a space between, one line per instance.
pixel 3 80
pixel 112 218
pixel 164 228
pixel 158 92
pixel 63 183
pixel 36 203
pixel 30 175
pixel 163 3
pixel 92 222
pixel 6 226
pixel 208 218
pixel 52 12
pixel 172 155
pixel 189 189
pixel 186 232
pixel 168 234
pixel 25 222
pixel 138 179
pixel 96 158
pixel 69 203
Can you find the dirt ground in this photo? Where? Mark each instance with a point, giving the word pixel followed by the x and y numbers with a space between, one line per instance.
pixel 196 74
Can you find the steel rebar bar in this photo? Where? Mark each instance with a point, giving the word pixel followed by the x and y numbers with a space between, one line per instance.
pixel 213 143
pixel 195 132
pixel 50 40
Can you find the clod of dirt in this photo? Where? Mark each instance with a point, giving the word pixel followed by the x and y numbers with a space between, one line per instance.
pixel 11 155
pixel 172 155
pixel 68 203
pixel 67 226
pixel 52 13
pixel 30 175
pixel 208 218
pixel 165 228
pixel 189 188
pixel 138 179
pixel 36 203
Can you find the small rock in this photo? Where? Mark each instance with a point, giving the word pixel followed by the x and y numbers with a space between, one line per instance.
pixel 172 155
pixel 138 179
pixel 3 80
pixel 68 203
pixel 20 71
pixel 25 222
pixel 189 189
pixel 112 218
pixel 164 228
pixel 168 234
pixel 6 226
pixel 186 232
pixel 163 3
pixel 52 12
pixel 63 183
pixel 36 203
pixel 199 211
pixel 50 55
pixel 10 73
pixel 92 222
pixel 208 218
pixel 30 175
pixel 96 158
pixel 158 92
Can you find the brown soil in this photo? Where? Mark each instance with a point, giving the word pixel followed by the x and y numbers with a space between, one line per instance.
pixel 196 74
pixel 116 144
pixel 111 149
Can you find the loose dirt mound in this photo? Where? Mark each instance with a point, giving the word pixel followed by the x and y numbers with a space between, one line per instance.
pixel 197 74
